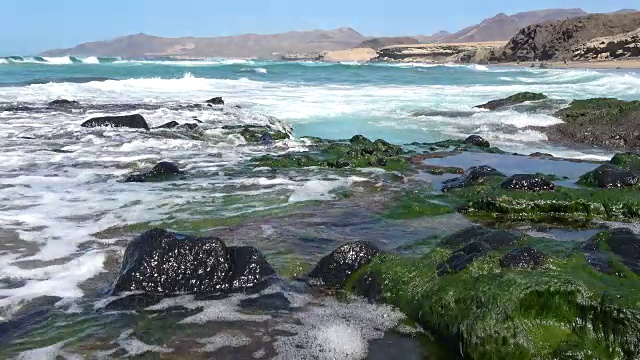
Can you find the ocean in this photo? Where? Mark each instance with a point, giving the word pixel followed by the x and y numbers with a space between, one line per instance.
pixel 66 215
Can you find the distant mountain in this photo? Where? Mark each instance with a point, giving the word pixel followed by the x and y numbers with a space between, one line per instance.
pixel 425 39
pixel 247 45
pixel 380 42
pixel 625 11
pixel 503 26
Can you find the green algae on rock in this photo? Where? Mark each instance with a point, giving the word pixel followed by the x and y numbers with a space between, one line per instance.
pixel 564 206
pixel 518 98
pixel 561 309
pixel 360 152
pixel 628 160
pixel 605 122
pixel 598 110
pixel 415 204
pixel 609 176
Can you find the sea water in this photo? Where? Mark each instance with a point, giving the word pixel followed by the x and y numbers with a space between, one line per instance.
pixel 66 216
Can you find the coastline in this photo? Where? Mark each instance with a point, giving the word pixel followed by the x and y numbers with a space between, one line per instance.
pixel 604 64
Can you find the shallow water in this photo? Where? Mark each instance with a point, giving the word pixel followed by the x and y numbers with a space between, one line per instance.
pixel 66 216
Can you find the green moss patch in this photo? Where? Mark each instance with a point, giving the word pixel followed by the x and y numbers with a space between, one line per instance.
pixel 598 110
pixel 359 152
pixel 415 204
pixel 563 310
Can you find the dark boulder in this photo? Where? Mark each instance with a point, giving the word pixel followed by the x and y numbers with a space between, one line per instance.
pixel 63 103
pixel 623 243
pixel 477 141
pixel 334 269
pixel 512 100
pixel 496 239
pixel 165 263
pixel 163 170
pixel 541 155
pixel 474 175
pixel 215 101
pixel 609 176
pixel 523 258
pixel 250 268
pixel 169 125
pixel 266 139
pixel 528 182
pixel 135 121
pixel 462 258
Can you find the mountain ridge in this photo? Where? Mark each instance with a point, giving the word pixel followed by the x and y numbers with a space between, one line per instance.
pixel 501 27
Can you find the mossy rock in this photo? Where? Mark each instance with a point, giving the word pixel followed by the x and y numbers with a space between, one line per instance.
pixel 518 98
pixel 609 176
pixel 414 205
pixel 628 160
pixel 564 206
pixel 253 134
pixel 460 145
pixel 563 309
pixel 359 152
pixel 598 110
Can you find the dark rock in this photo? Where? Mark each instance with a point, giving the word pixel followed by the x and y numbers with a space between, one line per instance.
pixel 622 242
pixel 418 159
pixel 266 139
pixel 495 239
pixel 474 175
pixel 169 125
pixel 269 302
pixel 528 182
pixel 475 242
pixel 130 121
pixel 165 263
pixel 334 269
pixel 163 170
pixel 462 258
pixel 477 141
pixel 513 100
pixel 215 101
pixel 63 103
pixel 523 258
pixel 369 286
pixel 609 176
pixel 541 155
pixel 250 268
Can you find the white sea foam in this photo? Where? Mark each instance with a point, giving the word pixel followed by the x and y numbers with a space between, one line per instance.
pixel 91 60
pixel 135 347
pixel 61 60
pixel 228 338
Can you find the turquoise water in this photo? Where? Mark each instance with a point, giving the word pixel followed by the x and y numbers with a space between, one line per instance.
pixel 66 215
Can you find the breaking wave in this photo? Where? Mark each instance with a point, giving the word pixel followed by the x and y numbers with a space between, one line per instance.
pixel 57 60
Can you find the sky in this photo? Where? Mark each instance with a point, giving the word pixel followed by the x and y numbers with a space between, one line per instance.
pixel 32 26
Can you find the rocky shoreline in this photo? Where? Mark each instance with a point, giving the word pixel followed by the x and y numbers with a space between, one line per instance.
pixel 486 291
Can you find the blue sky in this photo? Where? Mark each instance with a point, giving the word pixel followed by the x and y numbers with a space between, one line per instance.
pixel 30 26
